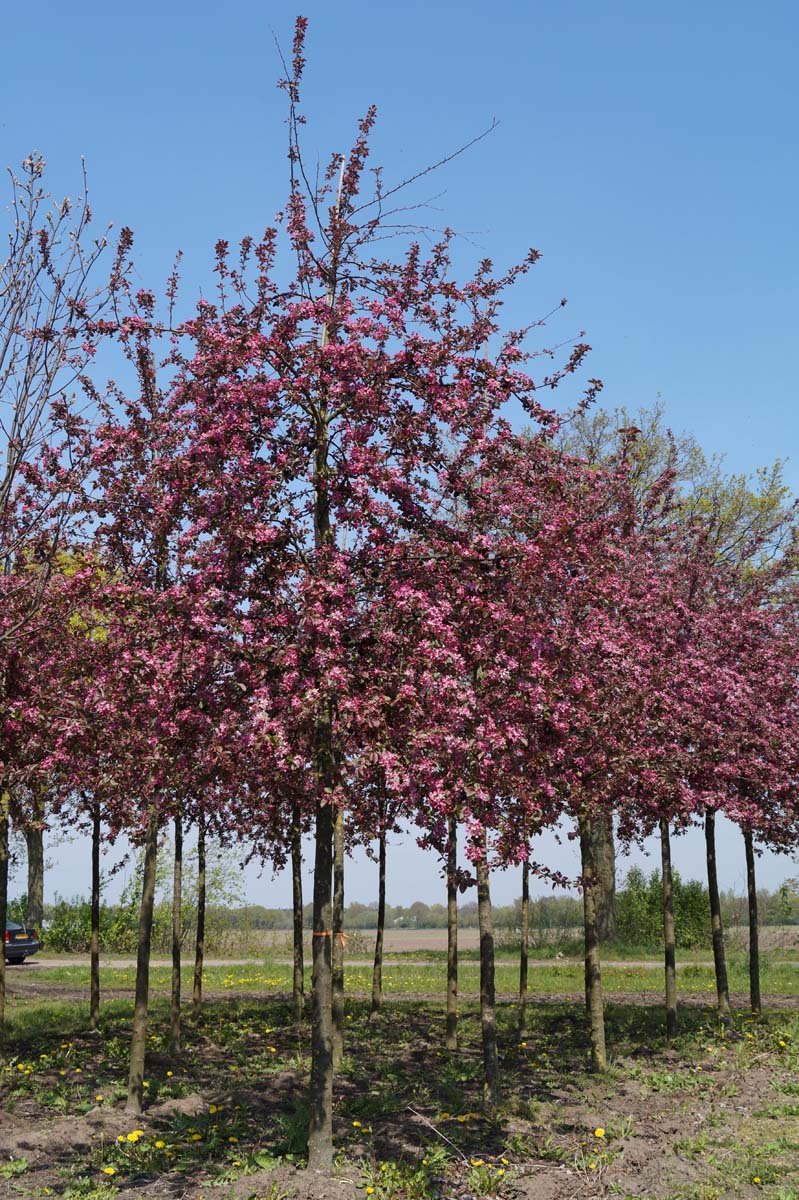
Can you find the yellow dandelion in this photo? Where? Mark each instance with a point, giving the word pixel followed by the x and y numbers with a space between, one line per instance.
pixel 169 1074
pixel 233 1140
pixel 99 1096
pixel 756 1179
pixel 600 1133
pixel 213 1108
pixel 477 1162
pixel 109 1170
pixel 356 1124
pixel 159 1145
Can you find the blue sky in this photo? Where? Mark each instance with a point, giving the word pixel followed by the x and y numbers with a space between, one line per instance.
pixel 648 151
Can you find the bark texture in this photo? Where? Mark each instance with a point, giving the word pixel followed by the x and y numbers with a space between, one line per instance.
pixel 94 947
pixel 298 974
pixel 452 935
pixel 320 1133
pixel 138 1041
pixel 488 1010
pixel 34 841
pixel 199 944
pixel 719 955
pixel 377 969
pixel 337 948
pixel 669 935
pixel 754 926
pixel 593 972
pixel 604 855
pixel 524 952
pixel 177 937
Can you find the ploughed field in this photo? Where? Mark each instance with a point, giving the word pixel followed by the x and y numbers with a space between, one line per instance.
pixel 715 1115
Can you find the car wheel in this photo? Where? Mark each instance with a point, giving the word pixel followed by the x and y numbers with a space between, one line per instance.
pixel 15 961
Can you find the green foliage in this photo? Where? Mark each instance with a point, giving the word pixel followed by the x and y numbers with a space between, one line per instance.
pixel 67 925
pixel 639 910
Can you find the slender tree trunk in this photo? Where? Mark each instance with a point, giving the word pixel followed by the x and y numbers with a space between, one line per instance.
pixel 754 929
pixel 338 938
pixel 177 936
pixel 320 1135
pixel 34 841
pixel 488 1011
pixel 604 855
pixel 138 1041
pixel 593 973
pixel 298 981
pixel 719 956
pixel 5 806
pixel 669 936
pixel 94 948
pixel 524 953
pixel 199 943
pixel 377 969
pixel 452 934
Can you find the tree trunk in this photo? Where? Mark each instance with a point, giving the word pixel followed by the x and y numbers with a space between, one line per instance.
pixel 337 954
pixel 593 973
pixel 5 806
pixel 669 936
pixel 452 935
pixel 199 944
pixel 177 935
pixel 298 981
pixel 320 1133
pixel 524 952
pixel 604 855
pixel 94 948
pixel 488 1012
pixel 754 929
pixel 34 840
pixel 377 969
pixel 138 1041
pixel 719 957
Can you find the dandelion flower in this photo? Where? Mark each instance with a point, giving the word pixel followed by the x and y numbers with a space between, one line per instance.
pixel 109 1170
pixel 477 1162
pixel 600 1133
pixel 159 1145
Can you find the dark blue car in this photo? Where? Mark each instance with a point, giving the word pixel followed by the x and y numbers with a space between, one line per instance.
pixel 20 942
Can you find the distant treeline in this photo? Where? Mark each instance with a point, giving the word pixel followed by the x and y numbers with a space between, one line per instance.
pixel 638 906
pixel 236 926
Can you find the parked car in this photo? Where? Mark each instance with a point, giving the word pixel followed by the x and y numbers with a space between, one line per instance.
pixel 20 942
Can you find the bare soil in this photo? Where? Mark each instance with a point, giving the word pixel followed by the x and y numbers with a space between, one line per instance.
pixel 676 1121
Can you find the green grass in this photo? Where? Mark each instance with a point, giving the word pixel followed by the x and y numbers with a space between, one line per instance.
pixel 409 1113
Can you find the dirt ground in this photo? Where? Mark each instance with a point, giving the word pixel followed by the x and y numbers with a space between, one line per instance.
pixel 670 1120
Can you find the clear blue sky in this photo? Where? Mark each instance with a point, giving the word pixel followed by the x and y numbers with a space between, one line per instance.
pixel 649 151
